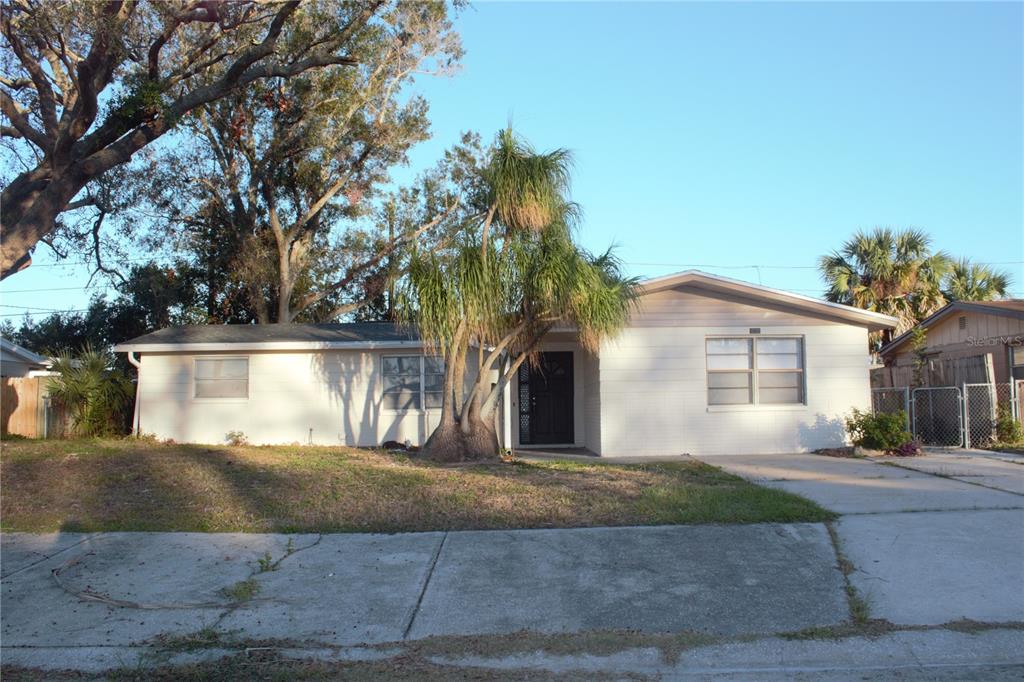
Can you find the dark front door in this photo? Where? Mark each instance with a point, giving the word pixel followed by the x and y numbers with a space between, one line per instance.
pixel 545 400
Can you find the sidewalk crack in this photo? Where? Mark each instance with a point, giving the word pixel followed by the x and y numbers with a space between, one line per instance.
pixel 423 590
pixel 47 558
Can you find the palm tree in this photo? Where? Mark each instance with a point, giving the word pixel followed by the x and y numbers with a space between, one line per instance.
pixel 95 393
pixel 967 281
pixel 886 271
pixel 525 191
pixel 493 300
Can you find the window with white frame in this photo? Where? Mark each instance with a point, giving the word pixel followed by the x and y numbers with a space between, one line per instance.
pixel 412 382
pixel 221 377
pixel 750 370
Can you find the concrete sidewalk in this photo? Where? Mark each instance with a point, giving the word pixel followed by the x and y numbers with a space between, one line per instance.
pixel 95 602
pixel 123 589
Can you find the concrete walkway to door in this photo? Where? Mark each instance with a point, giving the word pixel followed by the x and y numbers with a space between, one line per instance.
pixel 934 539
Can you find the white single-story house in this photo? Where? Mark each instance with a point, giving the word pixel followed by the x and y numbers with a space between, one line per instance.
pixel 706 365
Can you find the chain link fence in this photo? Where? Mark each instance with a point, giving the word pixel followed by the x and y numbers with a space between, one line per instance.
pixel 938 417
pixel 970 416
pixel 891 401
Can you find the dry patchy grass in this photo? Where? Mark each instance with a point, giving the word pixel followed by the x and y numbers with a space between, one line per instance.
pixel 136 485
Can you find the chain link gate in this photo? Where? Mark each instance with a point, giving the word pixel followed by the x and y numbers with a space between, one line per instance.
pixel 938 416
pixel 891 401
pixel 980 405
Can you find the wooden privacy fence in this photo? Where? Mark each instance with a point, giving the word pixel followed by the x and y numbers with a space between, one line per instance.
pixel 973 369
pixel 26 409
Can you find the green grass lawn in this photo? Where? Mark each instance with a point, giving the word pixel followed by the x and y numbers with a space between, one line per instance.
pixel 136 485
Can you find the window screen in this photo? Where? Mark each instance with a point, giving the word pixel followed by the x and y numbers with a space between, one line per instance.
pixel 412 382
pixel 779 371
pixel 402 383
pixel 745 371
pixel 730 371
pixel 221 378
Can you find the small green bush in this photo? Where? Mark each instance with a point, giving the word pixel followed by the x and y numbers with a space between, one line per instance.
pixel 878 431
pixel 1008 429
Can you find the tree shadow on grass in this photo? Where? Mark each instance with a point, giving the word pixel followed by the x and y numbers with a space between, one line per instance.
pixel 142 486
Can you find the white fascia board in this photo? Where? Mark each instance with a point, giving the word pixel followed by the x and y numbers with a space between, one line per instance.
pixel 261 346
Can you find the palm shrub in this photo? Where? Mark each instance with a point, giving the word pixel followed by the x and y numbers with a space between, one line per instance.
pixel 95 394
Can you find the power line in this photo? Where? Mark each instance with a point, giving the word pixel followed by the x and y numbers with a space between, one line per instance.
pixel 89 262
pixel 772 267
pixel 81 288
pixel 29 312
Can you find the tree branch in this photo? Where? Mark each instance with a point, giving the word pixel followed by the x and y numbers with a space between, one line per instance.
pixel 21 123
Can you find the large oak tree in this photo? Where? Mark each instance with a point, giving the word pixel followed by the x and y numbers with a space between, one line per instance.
pixel 86 85
pixel 293 170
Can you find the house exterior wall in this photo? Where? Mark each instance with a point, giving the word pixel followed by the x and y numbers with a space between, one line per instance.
pixel 653 381
pixel 592 401
pixel 982 334
pixel 319 397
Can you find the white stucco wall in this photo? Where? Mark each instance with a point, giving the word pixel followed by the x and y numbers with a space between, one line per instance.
pixel 654 384
pixel 322 397
pixel 592 401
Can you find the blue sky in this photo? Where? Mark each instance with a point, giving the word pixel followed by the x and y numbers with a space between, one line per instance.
pixel 742 134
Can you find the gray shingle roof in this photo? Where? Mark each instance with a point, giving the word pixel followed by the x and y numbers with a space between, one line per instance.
pixel 354 332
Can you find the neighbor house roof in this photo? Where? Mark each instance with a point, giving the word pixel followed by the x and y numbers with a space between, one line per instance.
pixel 1013 307
pixel 274 337
pixel 24 354
pixel 757 294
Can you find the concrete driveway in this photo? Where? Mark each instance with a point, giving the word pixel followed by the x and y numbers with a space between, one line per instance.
pixel 934 539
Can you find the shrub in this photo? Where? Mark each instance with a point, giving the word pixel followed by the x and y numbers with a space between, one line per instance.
pixel 236 438
pixel 878 431
pixel 95 394
pixel 1008 429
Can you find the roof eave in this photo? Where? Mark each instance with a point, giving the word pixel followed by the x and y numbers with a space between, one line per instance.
pixel 240 346
pixel 25 354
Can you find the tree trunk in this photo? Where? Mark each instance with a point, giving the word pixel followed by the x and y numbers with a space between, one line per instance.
pixel 474 441
pixel 29 216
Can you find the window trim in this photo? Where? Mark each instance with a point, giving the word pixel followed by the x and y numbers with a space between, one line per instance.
pixel 753 370
pixel 248 377
pixel 423 392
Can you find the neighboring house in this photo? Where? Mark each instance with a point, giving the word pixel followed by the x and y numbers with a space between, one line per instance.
pixel 706 365
pixel 965 342
pixel 16 361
